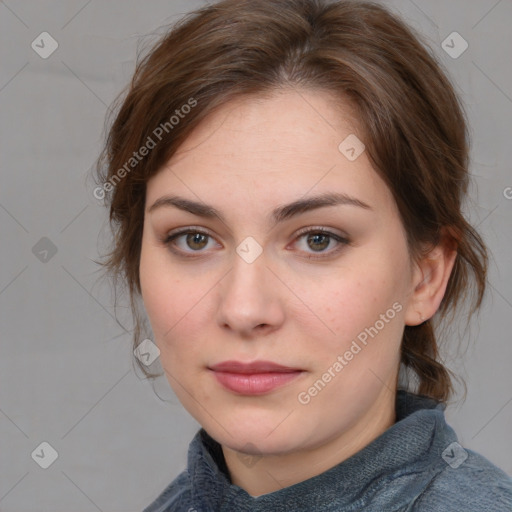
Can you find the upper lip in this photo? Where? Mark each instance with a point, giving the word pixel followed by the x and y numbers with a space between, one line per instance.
pixel 253 367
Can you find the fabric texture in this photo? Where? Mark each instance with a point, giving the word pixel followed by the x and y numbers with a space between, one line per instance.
pixel 415 465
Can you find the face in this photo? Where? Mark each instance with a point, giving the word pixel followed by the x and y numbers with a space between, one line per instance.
pixel 320 288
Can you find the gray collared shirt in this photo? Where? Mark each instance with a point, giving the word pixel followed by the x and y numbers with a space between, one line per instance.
pixel 415 465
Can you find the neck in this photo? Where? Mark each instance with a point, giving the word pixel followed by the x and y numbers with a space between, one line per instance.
pixel 273 472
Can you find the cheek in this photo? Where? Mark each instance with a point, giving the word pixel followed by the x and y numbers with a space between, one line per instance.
pixel 364 304
pixel 176 302
pixel 172 300
pixel 356 300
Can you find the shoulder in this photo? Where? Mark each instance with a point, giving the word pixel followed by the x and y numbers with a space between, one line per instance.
pixel 471 484
pixel 175 497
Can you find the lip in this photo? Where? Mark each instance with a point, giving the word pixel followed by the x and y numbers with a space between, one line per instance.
pixel 255 378
pixel 252 368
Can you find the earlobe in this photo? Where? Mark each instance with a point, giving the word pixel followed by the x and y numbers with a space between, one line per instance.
pixel 430 280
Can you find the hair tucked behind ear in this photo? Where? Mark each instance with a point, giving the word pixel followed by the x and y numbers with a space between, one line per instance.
pixel 411 120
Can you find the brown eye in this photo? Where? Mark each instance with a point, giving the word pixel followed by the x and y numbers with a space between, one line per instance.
pixel 196 241
pixel 318 241
pixel 188 241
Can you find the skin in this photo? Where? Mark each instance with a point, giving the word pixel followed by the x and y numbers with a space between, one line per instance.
pixel 250 157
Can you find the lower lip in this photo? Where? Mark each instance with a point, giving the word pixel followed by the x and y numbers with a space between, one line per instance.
pixel 256 383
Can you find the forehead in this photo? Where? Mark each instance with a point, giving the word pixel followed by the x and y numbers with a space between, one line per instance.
pixel 274 148
pixel 297 122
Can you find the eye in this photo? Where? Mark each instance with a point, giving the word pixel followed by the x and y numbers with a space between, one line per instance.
pixel 189 240
pixel 193 240
pixel 320 239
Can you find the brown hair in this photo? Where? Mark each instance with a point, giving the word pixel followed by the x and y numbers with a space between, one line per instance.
pixel 413 126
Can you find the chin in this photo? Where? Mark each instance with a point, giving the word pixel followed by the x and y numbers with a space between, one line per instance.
pixel 254 435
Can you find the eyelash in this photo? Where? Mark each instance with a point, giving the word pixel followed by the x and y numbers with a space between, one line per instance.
pixel 342 241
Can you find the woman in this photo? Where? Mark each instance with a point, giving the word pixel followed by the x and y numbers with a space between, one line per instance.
pixel 285 180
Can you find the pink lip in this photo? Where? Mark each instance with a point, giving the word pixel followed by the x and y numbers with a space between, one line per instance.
pixel 254 378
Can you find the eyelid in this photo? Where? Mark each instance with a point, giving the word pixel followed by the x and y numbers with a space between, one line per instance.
pixel 184 230
pixel 319 229
pixel 172 235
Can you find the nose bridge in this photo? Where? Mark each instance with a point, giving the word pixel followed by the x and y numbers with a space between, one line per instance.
pixel 248 298
pixel 249 268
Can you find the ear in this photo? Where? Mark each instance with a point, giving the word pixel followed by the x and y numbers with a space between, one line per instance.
pixel 429 280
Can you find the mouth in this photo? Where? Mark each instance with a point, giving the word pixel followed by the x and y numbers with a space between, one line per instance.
pixel 256 378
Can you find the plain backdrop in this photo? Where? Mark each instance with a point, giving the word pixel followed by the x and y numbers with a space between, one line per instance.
pixel 67 377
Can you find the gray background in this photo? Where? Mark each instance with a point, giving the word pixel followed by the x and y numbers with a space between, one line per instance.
pixel 66 368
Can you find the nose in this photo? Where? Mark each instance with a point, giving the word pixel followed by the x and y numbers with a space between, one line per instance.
pixel 250 300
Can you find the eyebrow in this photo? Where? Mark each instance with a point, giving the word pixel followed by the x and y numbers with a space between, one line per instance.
pixel 279 214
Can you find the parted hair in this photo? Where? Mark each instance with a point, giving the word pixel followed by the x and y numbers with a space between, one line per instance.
pixel 411 120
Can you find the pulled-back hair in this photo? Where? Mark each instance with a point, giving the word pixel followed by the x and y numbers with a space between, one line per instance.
pixel 412 123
